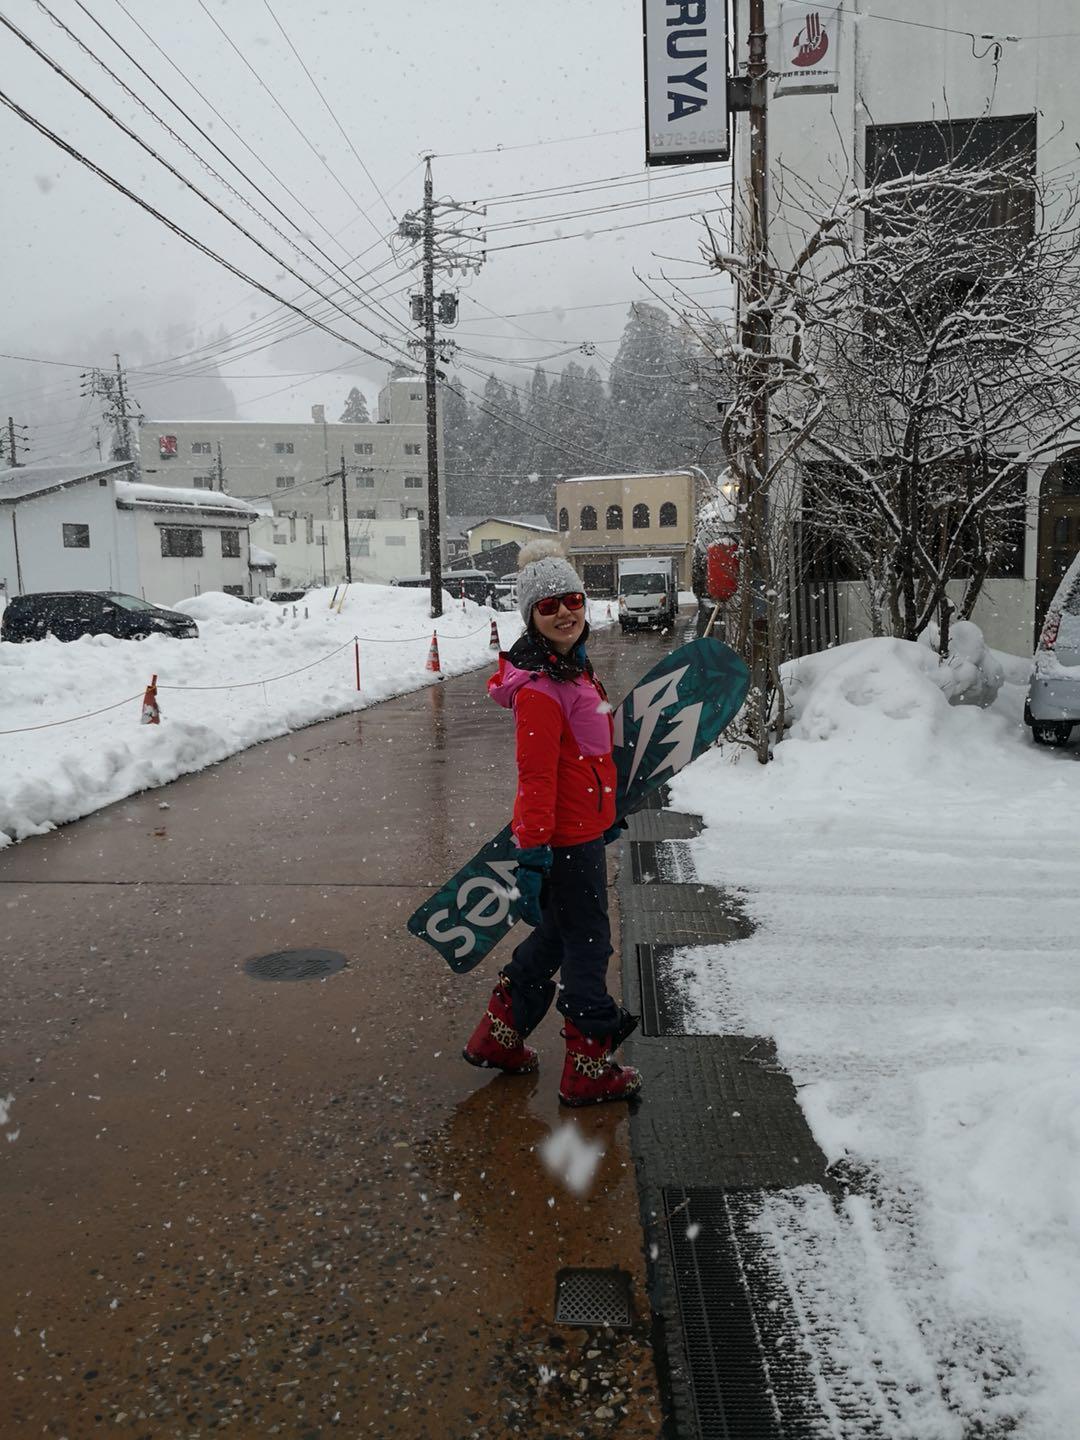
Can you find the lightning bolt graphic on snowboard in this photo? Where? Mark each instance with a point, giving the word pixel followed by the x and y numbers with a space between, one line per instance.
pixel 650 701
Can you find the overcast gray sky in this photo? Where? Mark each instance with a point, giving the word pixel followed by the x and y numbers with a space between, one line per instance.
pixel 85 268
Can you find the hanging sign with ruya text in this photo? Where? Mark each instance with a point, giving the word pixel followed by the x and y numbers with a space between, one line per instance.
pixel 686 117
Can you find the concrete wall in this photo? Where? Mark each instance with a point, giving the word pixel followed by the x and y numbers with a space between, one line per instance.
pixel 110 563
pixel 164 579
pixel 393 548
pixel 892 73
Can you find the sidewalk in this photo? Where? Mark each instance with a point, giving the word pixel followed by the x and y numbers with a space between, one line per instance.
pixel 290 1208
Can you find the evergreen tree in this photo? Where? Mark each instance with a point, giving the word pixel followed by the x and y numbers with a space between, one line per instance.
pixel 458 423
pixel 653 425
pixel 356 410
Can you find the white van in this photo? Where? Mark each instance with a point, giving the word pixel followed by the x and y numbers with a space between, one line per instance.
pixel 648 594
pixel 1053 700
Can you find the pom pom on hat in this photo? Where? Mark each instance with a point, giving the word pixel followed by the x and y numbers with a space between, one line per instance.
pixel 543 570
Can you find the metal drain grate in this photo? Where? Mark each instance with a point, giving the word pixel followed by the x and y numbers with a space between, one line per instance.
pixel 669 861
pixel 728 1376
pixel 661 1014
pixel 295 965
pixel 593 1297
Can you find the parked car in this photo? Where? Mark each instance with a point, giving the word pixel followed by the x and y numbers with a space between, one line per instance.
pixel 284 597
pixel 67 614
pixel 1053 699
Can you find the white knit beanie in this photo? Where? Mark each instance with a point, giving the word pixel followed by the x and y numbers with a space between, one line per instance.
pixel 543 570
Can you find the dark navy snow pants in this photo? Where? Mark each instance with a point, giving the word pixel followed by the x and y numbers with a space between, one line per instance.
pixel 574 936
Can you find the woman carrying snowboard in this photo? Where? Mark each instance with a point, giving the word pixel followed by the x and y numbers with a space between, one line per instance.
pixel 563 812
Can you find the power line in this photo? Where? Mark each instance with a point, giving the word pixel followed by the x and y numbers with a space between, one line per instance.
pixel 605 182
pixel 533 144
pixel 588 234
pixel 331 113
pixel 197 244
pixel 213 108
pixel 321 159
pixel 167 165
pixel 530 220
pixel 196 156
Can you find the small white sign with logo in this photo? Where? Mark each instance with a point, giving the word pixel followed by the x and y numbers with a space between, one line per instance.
pixel 807 58
pixel 686 115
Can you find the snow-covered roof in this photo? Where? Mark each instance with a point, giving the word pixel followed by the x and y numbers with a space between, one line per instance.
pixel 168 497
pixel 527 522
pixel 26 480
pixel 260 559
pixel 637 475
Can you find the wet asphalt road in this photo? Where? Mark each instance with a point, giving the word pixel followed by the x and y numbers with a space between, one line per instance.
pixel 292 1209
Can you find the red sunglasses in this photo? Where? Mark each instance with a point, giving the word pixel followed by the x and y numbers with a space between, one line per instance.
pixel 573 600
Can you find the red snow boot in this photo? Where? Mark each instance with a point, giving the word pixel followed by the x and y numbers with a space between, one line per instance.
pixel 495 1044
pixel 590 1076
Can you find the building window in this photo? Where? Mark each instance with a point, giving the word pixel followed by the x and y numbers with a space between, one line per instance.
pixel 202 482
pixel 365 480
pixel 200 447
pixel 395 540
pixel 412 449
pixel 416 394
pixel 413 514
pixel 292 529
pixel 233 589
pixel 181 543
pixel 230 544
pixel 365 514
pixel 360 547
pixel 641 517
pixel 76 537
pixel 490 544
pixel 413 482
pixel 669 514
pixel 285 482
pixel 280 538
pixel 166 446
pixel 588 518
pixel 363 447
pixel 309 529
pixel 283 447
pixel 564 518
pixel 613 518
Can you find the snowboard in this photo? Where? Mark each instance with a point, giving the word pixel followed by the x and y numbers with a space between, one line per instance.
pixel 668 719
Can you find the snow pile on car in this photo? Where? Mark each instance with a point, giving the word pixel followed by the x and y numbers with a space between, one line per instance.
pixel 908 865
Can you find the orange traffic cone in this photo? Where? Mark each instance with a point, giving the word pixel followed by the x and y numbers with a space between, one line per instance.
pixel 494 636
pixel 151 715
pixel 433 656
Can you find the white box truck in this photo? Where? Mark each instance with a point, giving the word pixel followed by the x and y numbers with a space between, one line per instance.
pixel 648 593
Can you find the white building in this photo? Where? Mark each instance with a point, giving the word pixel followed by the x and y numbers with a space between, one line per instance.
pixel 63 527
pixel 311 552
pixel 904 68
pixel 296 467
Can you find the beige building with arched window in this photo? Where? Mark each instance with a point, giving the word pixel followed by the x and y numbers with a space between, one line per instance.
pixel 605 518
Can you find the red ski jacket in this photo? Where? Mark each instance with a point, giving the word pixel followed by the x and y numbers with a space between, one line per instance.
pixel 566 774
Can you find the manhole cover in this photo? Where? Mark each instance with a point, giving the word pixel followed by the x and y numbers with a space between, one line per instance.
pixel 592 1297
pixel 295 965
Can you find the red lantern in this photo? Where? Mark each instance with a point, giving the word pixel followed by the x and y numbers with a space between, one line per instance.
pixel 723 570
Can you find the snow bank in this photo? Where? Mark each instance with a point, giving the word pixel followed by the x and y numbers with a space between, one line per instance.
pixel 273 672
pixel 909 865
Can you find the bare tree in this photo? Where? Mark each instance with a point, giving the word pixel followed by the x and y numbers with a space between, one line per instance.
pixel 924 354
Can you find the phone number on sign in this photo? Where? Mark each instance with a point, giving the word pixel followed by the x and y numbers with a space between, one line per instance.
pixel 686 138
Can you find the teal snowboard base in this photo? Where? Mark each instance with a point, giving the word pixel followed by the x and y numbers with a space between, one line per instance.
pixel 669 718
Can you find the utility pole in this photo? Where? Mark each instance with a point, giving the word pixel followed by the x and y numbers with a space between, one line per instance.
pixel 13 443
pixel 757 338
pixel 220 468
pixel 111 388
pixel 322 543
pixel 434 529
pixel 445 247
pixel 345 521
